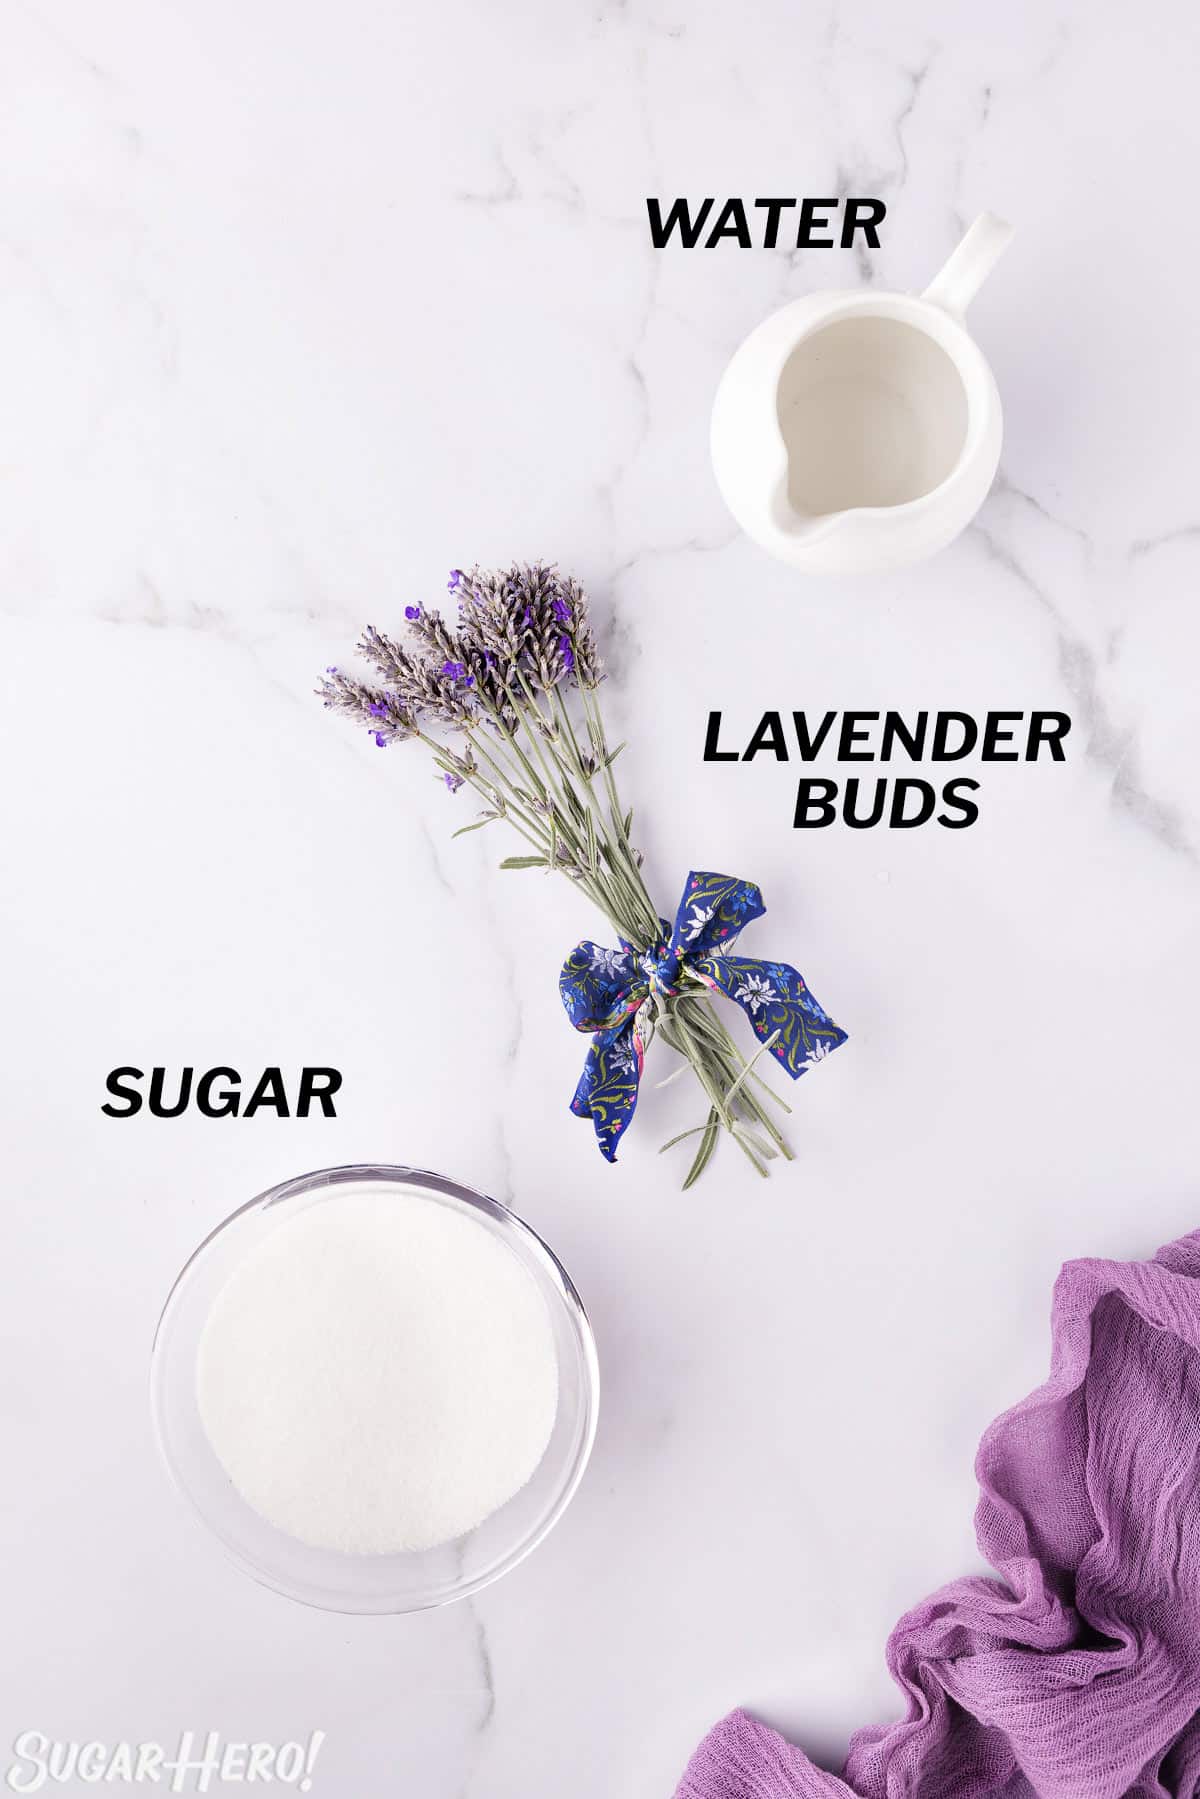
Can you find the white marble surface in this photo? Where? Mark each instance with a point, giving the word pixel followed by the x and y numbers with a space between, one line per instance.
pixel 304 304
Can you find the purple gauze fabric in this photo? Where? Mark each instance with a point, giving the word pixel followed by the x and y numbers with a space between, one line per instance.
pixel 1076 1674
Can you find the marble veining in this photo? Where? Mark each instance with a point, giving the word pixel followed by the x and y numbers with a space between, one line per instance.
pixel 304 306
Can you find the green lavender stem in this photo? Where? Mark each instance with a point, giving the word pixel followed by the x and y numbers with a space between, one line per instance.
pixel 518 776
pixel 528 646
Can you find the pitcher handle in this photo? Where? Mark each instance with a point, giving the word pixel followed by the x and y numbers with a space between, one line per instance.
pixel 957 283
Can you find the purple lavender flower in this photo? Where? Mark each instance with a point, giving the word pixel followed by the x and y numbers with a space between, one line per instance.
pixel 342 693
pixel 524 627
pixel 519 616
pixel 381 742
pixel 453 782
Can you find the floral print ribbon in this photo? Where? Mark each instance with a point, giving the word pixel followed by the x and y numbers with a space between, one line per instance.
pixel 603 991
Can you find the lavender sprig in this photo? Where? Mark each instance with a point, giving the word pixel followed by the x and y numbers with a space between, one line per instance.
pixel 501 681
pixel 533 622
pixel 385 714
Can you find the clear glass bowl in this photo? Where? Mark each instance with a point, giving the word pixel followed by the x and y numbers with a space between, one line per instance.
pixel 328 1578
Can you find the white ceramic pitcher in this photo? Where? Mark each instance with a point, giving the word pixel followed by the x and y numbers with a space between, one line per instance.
pixel 860 431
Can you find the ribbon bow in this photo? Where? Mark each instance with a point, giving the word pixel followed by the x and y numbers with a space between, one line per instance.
pixel 603 991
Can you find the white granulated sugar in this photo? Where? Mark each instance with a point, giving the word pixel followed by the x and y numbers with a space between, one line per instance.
pixel 378 1374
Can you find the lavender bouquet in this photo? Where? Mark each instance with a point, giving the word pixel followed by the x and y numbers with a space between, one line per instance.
pixel 506 702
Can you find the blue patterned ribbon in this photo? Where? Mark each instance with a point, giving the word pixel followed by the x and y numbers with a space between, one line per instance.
pixel 603 991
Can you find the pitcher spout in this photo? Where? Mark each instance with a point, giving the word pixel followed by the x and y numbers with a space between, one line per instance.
pixel 803 528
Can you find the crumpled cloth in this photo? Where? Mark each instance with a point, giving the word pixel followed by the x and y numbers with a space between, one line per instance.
pixel 1076 1673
